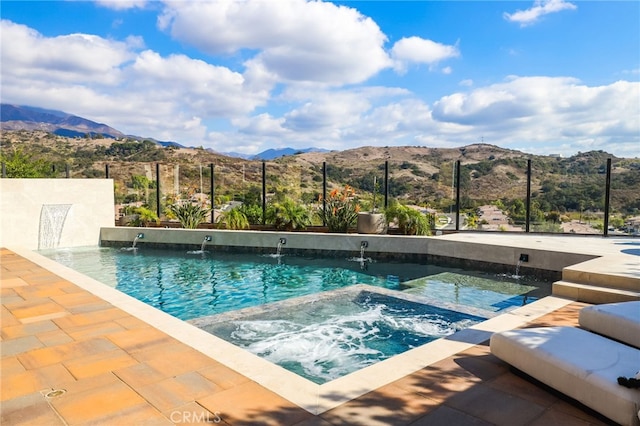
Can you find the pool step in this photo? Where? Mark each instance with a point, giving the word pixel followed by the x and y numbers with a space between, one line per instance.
pixel 600 272
pixel 593 293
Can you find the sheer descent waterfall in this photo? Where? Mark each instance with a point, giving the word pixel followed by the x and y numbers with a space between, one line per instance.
pixel 52 217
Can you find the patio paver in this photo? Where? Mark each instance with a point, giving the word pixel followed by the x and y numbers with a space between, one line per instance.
pixel 114 368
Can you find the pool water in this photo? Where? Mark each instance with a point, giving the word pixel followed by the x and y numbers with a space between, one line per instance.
pixel 336 334
pixel 188 285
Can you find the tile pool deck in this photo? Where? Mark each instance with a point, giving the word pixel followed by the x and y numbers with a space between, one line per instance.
pixel 115 368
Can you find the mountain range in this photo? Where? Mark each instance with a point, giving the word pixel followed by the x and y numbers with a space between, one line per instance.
pixel 21 117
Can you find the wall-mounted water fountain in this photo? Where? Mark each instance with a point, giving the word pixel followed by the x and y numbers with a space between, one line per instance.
pixel 52 218
pixel 364 261
pixel 281 242
pixel 522 259
pixel 207 239
pixel 133 247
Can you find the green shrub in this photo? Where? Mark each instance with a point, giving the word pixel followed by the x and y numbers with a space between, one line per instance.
pixel 410 221
pixel 341 210
pixel 288 215
pixel 190 215
pixel 234 219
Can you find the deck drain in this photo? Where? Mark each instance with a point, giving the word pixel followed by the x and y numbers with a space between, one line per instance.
pixel 54 393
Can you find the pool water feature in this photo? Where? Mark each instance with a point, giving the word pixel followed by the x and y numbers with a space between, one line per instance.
pixel 188 286
pixel 325 336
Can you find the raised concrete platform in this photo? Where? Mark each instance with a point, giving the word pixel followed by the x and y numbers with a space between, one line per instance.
pixel 609 271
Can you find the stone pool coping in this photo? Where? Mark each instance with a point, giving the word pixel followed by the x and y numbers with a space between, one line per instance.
pixel 313 398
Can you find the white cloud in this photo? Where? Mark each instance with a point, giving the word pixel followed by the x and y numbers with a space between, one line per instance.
pixel 291 40
pixel 541 109
pixel 122 4
pixel 139 93
pixel 536 114
pixel 421 51
pixel 539 9
pixel 73 58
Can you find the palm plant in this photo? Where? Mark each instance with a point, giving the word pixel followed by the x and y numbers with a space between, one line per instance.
pixel 410 221
pixel 190 215
pixel 288 215
pixel 143 216
pixel 234 219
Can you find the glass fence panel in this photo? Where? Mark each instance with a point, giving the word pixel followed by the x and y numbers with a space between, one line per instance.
pixel 567 195
pixel 134 192
pixel 571 202
pixel 493 194
pixel 185 185
pixel 293 191
pixel 624 210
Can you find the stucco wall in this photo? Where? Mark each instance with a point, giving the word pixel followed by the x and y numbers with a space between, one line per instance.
pixel 88 204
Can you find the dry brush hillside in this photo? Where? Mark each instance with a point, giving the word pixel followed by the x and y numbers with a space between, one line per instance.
pixel 420 175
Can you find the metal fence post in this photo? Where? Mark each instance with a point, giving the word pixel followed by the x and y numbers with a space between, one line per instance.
pixel 458 195
pixel 158 211
pixel 527 219
pixel 386 184
pixel 607 198
pixel 324 192
pixel 264 193
pixel 213 194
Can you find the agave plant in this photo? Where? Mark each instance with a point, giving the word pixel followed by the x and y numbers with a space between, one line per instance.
pixel 190 215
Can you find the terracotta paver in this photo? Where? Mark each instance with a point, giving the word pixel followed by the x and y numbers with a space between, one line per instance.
pixel 250 404
pixel 31 381
pixel 174 392
pixel 112 368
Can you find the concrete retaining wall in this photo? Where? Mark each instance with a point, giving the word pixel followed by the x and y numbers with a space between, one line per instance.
pixel 72 210
pixel 496 257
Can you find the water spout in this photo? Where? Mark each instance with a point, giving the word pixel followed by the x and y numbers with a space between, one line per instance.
pixel 363 245
pixel 135 241
pixel 281 242
pixel 517 274
pixel 207 238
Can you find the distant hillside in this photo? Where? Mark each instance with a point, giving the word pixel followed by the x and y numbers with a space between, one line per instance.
pixel 418 175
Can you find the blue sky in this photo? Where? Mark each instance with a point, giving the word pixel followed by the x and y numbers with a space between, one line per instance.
pixel 543 77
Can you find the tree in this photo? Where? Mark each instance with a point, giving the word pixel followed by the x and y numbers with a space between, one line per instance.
pixel 20 165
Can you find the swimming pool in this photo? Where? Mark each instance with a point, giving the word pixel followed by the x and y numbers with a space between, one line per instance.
pixel 189 286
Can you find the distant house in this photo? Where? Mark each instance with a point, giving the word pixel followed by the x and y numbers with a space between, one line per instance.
pixel 632 225
pixel 491 218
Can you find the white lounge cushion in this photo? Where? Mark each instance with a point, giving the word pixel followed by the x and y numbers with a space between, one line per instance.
pixel 620 321
pixel 580 364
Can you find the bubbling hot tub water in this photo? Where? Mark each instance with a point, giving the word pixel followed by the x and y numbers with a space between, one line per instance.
pixel 334 335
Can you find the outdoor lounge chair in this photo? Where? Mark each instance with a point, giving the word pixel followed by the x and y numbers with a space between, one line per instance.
pixel 582 365
pixel 620 321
